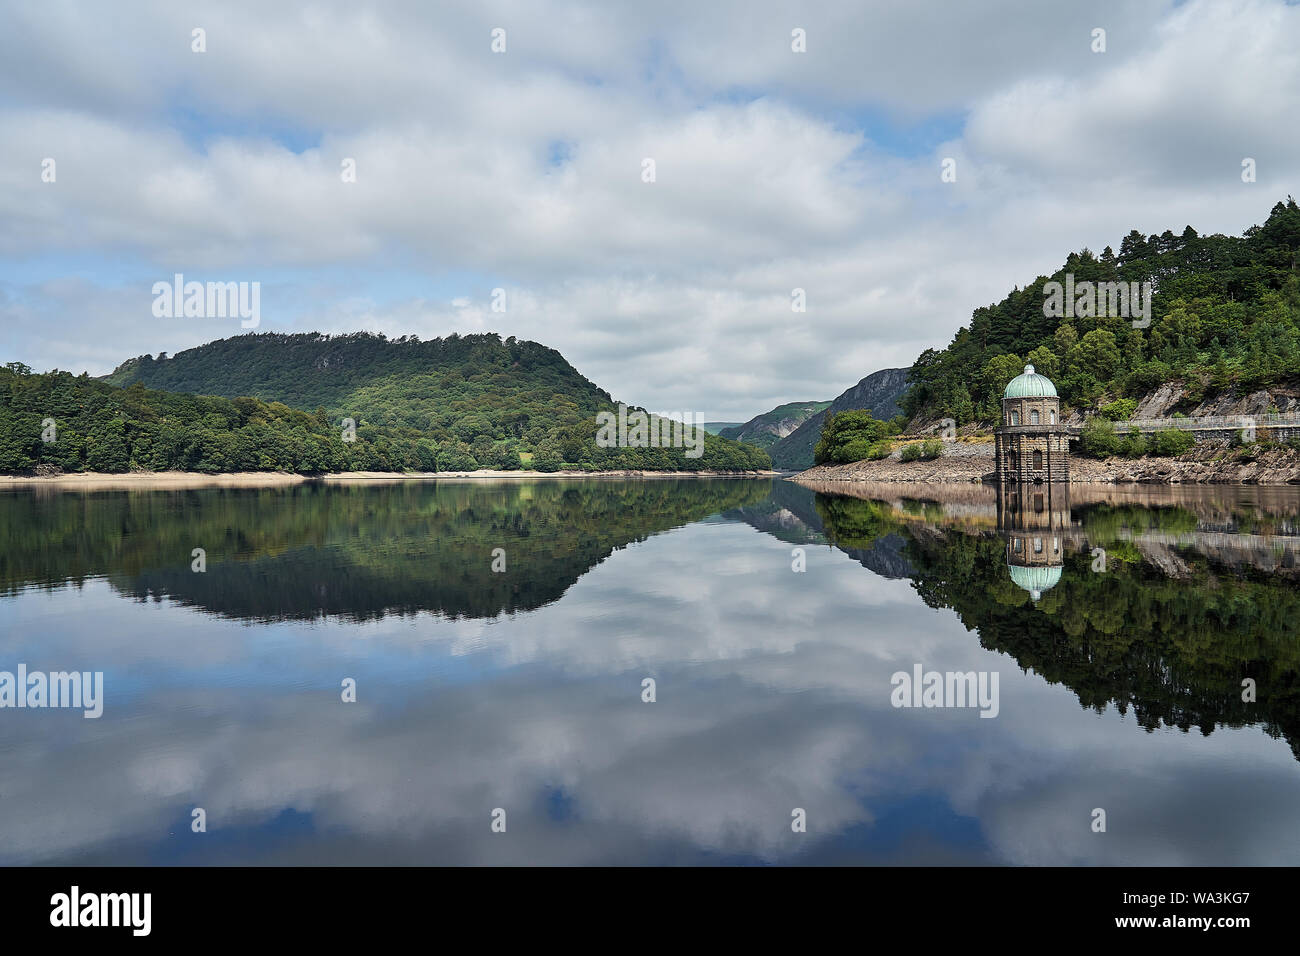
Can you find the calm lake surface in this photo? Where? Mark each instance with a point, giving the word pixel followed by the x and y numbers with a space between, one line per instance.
pixel 1119 689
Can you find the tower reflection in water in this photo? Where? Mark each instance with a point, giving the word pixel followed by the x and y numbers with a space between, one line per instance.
pixel 1035 520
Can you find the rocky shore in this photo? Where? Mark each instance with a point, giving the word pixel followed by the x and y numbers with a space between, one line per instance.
pixel 973 462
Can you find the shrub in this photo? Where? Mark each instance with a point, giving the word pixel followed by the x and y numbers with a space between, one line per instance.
pixel 911 452
pixel 857 450
pixel 1133 445
pixel 932 449
pixel 1119 410
pixel 1172 442
pixel 1098 439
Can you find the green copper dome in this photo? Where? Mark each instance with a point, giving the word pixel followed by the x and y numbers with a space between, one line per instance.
pixel 1029 385
pixel 1035 580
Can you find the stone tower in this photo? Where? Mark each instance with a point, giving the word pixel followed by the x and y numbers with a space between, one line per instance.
pixel 1032 445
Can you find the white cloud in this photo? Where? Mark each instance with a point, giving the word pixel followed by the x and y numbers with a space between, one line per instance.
pixel 774 170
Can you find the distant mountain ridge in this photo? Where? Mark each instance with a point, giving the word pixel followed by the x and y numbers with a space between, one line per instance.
pixel 714 427
pixel 878 393
pixel 769 428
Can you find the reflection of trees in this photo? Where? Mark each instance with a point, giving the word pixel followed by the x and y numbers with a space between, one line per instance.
pixel 1175 651
pixel 357 551
pixel 855 523
pixel 1106 522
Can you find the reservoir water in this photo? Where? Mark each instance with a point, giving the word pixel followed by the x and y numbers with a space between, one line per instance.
pixel 669 671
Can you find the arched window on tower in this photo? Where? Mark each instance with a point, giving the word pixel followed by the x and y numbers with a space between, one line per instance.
pixel 1033 416
pixel 1015 418
pixel 1051 416
pixel 1038 459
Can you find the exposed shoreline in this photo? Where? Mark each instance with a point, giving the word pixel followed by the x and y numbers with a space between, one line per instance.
pixel 973 463
pixel 270 479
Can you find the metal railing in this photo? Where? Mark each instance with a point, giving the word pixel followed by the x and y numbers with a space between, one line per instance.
pixel 1212 422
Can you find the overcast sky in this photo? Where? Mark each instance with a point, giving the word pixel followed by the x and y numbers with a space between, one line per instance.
pixel 522 170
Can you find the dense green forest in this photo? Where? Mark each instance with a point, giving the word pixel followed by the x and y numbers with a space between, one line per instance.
pixel 1225 315
pixel 278 402
pixel 356 551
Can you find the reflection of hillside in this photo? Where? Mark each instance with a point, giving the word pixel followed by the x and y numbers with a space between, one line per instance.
pixel 792 514
pixel 1171 641
pixel 787 514
pixel 355 551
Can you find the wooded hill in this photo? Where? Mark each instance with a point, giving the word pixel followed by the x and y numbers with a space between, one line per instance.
pixel 1225 315
pixel 277 402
